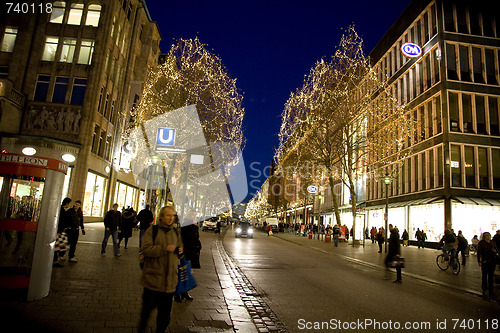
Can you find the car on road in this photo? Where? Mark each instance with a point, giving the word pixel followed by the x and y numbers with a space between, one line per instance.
pixel 243 229
pixel 210 224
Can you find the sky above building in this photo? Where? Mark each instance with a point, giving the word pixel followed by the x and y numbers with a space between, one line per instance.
pixel 269 46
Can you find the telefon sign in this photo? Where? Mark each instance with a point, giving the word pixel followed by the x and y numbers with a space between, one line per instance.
pixel 411 50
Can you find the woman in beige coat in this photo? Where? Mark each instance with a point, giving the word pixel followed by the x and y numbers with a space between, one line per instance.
pixel 159 274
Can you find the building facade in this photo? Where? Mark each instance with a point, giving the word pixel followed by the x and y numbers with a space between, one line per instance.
pixel 69 76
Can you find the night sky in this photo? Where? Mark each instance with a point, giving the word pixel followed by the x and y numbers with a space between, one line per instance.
pixel 269 46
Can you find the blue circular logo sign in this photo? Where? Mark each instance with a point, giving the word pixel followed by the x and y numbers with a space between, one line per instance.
pixel 411 50
pixel 312 189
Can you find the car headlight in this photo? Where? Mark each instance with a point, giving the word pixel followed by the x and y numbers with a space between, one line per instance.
pixel 238 230
pixel 250 231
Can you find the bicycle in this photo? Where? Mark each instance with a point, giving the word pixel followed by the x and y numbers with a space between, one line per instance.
pixel 444 263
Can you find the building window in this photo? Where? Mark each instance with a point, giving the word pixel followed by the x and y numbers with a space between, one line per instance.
pixel 75 14
pixel 107 149
pixel 68 50
pixel 86 51
pixel 477 65
pixel 495 162
pixel 451 61
pixel 475 28
pixel 493 112
pixel 102 144
pixel 470 167
pixel 50 49
pixel 60 89
pixel 467 113
pixel 57 14
pixel 94 195
pixel 482 158
pixel 449 22
pixel 490 66
pixel 464 63
pixel 95 138
pixel 456 175
pixel 78 93
pixel 9 39
pixel 112 110
pixel 93 14
pixel 105 113
pixel 42 88
pixel 440 165
pixel 453 108
pixel 480 115
pixel 100 100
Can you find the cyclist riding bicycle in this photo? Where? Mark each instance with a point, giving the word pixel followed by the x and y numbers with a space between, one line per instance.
pixel 449 244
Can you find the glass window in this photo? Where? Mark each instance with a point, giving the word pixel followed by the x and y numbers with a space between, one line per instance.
pixel 57 14
pixel 86 51
pixel 94 195
pixel 488 24
pixel 483 167
pixel 475 29
pixel 464 63
pixel 108 147
pixel 429 123
pixel 451 60
pixel 454 125
pixel 93 14
pixel 456 177
pixel 480 115
pixel 102 143
pixel 477 63
pixel 95 138
pixel 440 165
pixel 112 110
pixel 427 71
pixel 470 167
pixel 461 21
pixel 75 14
pixel 435 61
pixel 68 50
pixel 60 89
pixel 424 170
pixel 78 93
pixel 50 49
pixel 467 113
pixel 433 19
pixel 437 105
pixel 9 39
pixel 449 23
pixel 106 106
pixel 490 66
pixel 495 162
pixel 100 100
pixel 432 172
pixel 493 112
pixel 42 88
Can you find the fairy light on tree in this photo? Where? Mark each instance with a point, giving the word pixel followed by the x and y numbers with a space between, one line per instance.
pixel 344 119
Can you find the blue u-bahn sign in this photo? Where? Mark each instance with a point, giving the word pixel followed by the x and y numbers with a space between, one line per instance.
pixel 165 137
pixel 411 50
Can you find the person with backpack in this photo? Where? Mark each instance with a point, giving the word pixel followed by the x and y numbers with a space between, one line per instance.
pixel 159 272
pixel 336 234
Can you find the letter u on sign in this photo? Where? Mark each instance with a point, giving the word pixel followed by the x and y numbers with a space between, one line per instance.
pixel 165 137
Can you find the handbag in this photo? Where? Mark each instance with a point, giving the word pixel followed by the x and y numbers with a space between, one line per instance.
pixel 397 262
pixel 61 242
pixel 185 281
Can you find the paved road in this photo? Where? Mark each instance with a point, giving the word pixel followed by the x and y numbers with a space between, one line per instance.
pixel 307 281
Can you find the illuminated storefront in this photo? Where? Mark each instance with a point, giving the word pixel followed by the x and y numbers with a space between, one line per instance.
pixel 95 188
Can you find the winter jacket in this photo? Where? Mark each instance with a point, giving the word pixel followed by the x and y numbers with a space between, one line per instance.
pixel 485 251
pixel 145 218
pixel 159 272
pixel 67 219
pixel 113 220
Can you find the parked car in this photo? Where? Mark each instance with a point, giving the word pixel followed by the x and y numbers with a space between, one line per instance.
pixel 243 229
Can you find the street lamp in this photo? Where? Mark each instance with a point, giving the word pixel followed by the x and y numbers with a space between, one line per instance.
pixel 387 180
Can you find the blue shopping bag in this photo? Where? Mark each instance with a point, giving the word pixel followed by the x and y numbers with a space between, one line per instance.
pixel 186 281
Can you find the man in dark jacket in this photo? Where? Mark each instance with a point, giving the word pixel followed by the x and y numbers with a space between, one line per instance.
pixel 486 252
pixel 394 251
pixel 112 225
pixel 145 218
pixel 462 245
pixel 74 230
pixel 66 218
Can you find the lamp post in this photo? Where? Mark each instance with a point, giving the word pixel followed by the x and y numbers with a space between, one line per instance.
pixel 387 180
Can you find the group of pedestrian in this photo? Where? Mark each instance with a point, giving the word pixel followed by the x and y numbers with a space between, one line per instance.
pixel 70 222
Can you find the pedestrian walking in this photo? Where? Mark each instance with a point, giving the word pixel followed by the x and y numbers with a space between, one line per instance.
pixel 346 233
pixel 145 218
pixel 112 225
pixel 486 258
pixel 394 251
pixel 128 223
pixel 373 234
pixel 405 238
pixel 73 232
pixel 159 273
pixel 418 236
pixel 336 234
pixel 380 239
pixel 496 239
pixel 66 218
pixel 192 246
pixel 462 246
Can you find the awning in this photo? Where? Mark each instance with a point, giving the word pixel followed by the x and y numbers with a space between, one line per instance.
pixel 477 201
pixel 416 202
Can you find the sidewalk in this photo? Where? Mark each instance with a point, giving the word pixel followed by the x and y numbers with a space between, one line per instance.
pixel 420 263
pixel 103 294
